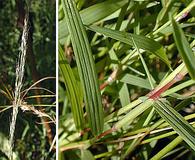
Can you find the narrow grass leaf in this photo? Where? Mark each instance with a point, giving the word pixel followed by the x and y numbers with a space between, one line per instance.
pixel 134 113
pixel 86 67
pixel 144 65
pixel 72 90
pixel 136 81
pixel 178 87
pixel 176 121
pixel 124 95
pixel 167 148
pixel 169 29
pixel 162 16
pixel 125 109
pixel 92 14
pixel 184 48
pixel 142 42
pixel 86 155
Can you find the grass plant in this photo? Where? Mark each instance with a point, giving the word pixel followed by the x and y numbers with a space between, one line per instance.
pixel 143 55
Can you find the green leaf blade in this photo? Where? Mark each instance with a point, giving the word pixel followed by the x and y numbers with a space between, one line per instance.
pixel 136 81
pixel 86 155
pixel 86 67
pixel 184 48
pixel 124 95
pixel 72 89
pixel 142 42
pixel 92 14
pixel 177 122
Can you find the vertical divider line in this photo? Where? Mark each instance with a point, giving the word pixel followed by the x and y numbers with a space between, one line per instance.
pixel 57 76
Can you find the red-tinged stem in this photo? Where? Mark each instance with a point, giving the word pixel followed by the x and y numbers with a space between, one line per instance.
pixel 155 94
pixel 110 79
pixel 106 133
pixel 102 86
pixel 84 131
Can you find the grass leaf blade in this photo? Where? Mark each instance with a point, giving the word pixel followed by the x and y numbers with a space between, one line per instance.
pixel 142 42
pixel 184 48
pixel 86 67
pixel 93 14
pixel 177 122
pixel 72 89
pixel 135 81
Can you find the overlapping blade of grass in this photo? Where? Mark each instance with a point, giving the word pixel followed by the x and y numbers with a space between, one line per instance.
pixel 93 14
pixel 167 149
pixel 124 95
pixel 169 29
pixel 86 155
pixel 187 9
pixel 136 81
pixel 134 113
pixel 178 87
pixel 176 121
pixel 72 89
pixel 184 48
pixel 86 66
pixel 142 42
pixel 162 15
pixel 144 65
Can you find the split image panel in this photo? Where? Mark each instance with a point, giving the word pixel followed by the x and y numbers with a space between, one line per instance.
pixel 97 79
pixel 27 80
pixel 126 79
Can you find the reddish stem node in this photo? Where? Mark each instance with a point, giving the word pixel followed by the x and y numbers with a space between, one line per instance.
pixel 102 86
pixel 155 94
pixel 106 133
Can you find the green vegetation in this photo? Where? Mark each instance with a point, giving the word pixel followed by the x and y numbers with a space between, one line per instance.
pixel 34 136
pixel 143 55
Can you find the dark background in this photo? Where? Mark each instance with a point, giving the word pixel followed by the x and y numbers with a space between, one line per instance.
pixel 31 137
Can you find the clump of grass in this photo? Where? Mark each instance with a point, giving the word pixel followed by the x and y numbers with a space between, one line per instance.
pixel 142 79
